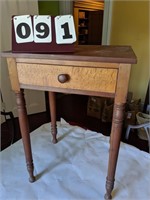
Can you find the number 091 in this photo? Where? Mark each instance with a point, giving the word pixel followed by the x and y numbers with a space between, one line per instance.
pixel 41 30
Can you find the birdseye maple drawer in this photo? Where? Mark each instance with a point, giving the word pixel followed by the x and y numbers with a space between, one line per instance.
pixel 69 77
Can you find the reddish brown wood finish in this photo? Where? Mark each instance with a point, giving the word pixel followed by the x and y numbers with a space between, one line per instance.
pixel 91 53
pixel 118 116
pixel 52 104
pixel 118 58
pixel 24 126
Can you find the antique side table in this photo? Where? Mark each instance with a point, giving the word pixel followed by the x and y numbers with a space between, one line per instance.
pixel 90 70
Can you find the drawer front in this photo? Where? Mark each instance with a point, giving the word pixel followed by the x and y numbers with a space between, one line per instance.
pixel 80 78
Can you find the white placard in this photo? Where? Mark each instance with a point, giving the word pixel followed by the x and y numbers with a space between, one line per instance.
pixel 23 28
pixel 65 29
pixel 42 29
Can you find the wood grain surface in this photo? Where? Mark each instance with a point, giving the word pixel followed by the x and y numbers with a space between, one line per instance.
pixel 89 79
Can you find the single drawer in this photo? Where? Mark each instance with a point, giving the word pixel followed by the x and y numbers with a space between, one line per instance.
pixel 68 77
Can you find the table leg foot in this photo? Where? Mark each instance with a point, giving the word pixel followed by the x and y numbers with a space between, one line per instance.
pixel 54 133
pixel 107 196
pixel 32 179
pixel 30 169
pixel 109 188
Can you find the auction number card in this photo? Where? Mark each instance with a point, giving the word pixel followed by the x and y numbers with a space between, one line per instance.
pixel 65 31
pixel 43 31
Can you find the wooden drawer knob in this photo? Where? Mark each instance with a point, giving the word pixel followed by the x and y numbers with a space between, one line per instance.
pixel 62 78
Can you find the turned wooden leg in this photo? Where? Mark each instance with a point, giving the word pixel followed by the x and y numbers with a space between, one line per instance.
pixel 118 116
pixel 52 104
pixel 24 127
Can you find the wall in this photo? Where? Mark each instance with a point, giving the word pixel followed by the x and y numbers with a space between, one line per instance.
pixel 130 26
pixel 35 100
pixel 48 7
pixel 60 7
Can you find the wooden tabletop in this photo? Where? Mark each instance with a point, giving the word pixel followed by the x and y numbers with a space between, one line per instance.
pixel 91 53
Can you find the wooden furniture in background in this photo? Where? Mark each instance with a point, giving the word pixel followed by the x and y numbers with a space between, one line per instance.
pixel 94 70
pixel 88 26
pixel 88 18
